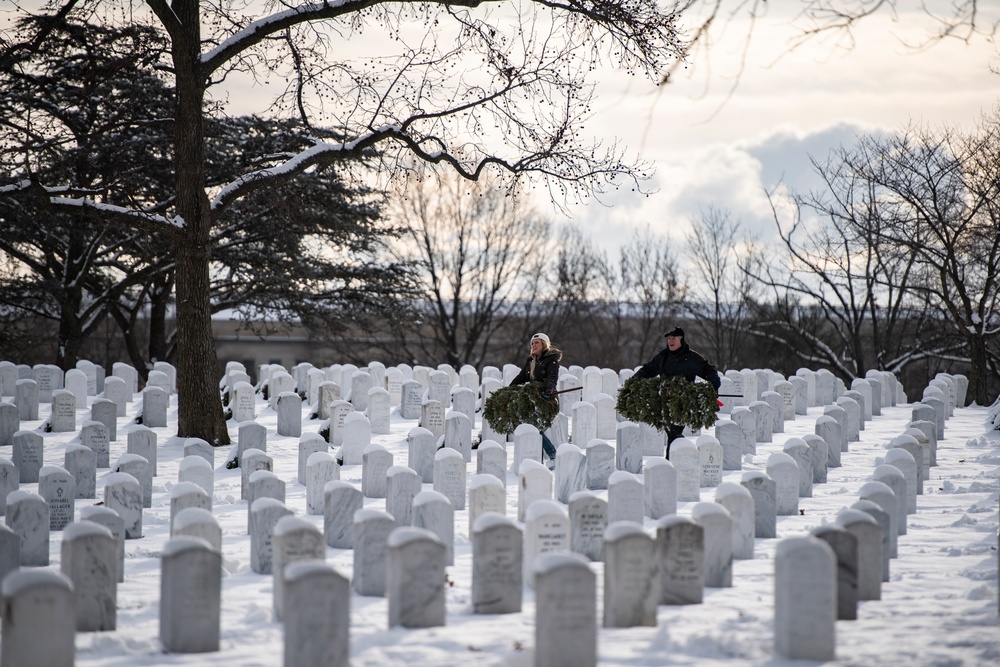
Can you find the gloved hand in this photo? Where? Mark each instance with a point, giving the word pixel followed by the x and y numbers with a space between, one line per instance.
pixel 546 395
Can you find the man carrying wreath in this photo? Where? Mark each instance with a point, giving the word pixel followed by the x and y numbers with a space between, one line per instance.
pixel 679 359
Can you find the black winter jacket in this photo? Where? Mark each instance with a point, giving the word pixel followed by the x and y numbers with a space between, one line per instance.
pixel 546 371
pixel 684 361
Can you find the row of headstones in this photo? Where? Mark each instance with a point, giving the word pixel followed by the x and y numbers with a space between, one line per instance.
pixel 375 390
pixel 86 560
pixel 597 418
pixel 127 490
pixel 407 565
pixel 260 509
pixel 431 385
pixel 115 394
pixel 354 382
pixel 590 420
pixel 819 579
pixel 606 614
pixel 87 379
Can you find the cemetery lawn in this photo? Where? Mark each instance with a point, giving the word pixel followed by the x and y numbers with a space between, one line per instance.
pixel 938 608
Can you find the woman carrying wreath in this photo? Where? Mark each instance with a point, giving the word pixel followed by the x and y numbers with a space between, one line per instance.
pixel 678 359
pixel 542 366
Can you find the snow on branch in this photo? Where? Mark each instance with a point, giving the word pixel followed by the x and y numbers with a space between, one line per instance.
pixel 120 213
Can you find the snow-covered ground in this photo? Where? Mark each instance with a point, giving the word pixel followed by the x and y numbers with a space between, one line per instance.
pixel 939 607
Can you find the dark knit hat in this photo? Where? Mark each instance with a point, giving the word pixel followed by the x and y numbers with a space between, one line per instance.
pixel 676 331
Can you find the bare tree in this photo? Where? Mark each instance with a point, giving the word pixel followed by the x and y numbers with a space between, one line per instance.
pixel 516 111
pixel 477 254
pixel 838 292
pixel 648 294
pixel 579 284
pixel 897 259
pixel 722 285
pixel 960 19
pixel 613 314
pixel 939 194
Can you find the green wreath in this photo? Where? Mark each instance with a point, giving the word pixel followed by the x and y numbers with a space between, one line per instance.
pixel 509 407
pixel 662 401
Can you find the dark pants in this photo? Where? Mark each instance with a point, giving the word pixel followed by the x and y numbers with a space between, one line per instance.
pixel 548 447
pixel 675 431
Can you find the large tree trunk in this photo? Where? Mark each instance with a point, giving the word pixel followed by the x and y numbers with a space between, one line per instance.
pixel 199 408
pixel 978 372
pixel 159 302
pixel 70 338
pixel 126 324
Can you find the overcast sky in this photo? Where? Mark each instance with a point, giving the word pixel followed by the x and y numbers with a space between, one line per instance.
pixel 712 151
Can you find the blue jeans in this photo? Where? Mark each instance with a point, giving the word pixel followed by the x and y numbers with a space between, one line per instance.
pixel 548 447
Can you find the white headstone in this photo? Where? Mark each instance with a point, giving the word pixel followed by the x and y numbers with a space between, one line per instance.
pixel 805 599
pixel 497 550
pixel 190 596
pixel 631 576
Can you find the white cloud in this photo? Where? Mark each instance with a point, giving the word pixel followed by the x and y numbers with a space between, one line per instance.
pixel 730 176
pixel 714 151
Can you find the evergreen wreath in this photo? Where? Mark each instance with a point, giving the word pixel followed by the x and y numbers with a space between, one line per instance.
pixel 509 407
pixel 662 401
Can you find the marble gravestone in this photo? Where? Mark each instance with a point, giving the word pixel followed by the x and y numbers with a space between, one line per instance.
pixel 28 516
pixel 293 539
pixel 58 487
pixel 738 501
pixel 342 500
pixel 660 486
pixel 317 615
pixel 435 512
pixel 27 455
pixel 415 578
pixel 39 621
pixel 565 611
pixel 497 550
pixel 198 522
pixel 107 517
pixel 90 560
pixel 717 527
pixel 764 493
pixel 190 596
pixel 868 533
pixel 805 599
pixel 421 450
pixel 570 472
pixel 486 494
pixel 631 576
pixel 626 498
pixel 402 486
pixel 546 529
pixel 681 554
pixel 588 520
pixel 371 535
pixel 264 516
pixel 845 548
